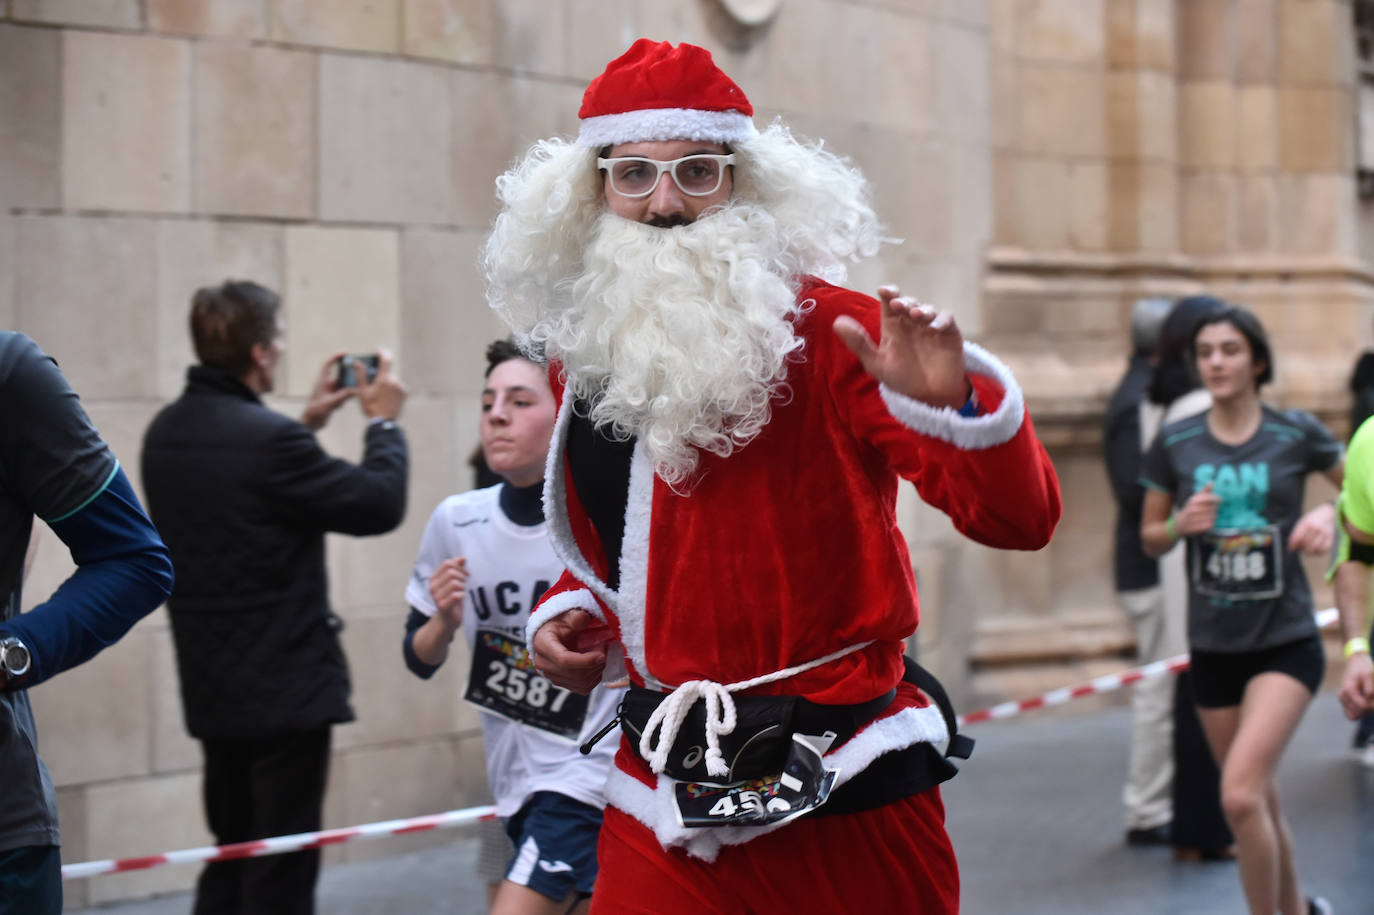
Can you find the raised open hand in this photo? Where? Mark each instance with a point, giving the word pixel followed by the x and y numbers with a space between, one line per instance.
pixel 920 355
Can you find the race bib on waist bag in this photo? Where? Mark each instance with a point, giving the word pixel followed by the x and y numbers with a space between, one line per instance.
pixel 803 785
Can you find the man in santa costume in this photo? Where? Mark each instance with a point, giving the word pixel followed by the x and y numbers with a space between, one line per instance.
pixel 722 488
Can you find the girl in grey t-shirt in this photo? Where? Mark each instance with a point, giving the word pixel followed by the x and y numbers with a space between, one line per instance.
pixel 1230 483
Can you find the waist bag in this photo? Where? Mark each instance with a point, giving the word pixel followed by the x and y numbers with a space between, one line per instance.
pixel 764 725
pixel 762 738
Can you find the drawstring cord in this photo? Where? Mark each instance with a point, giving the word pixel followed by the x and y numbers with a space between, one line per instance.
pixel 660 733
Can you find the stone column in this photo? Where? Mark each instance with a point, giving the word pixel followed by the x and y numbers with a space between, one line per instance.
pixel 1156 147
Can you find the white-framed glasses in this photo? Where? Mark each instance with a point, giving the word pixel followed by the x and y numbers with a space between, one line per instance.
pixel 698 175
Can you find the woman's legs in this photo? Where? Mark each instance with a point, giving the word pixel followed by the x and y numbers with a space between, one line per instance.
pixel 1247 742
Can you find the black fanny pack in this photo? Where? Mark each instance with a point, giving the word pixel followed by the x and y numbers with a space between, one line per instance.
pixel 764 725
pixel 762 738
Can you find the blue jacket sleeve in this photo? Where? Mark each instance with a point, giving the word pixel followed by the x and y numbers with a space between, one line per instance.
pixel 417 667
pixel 123 573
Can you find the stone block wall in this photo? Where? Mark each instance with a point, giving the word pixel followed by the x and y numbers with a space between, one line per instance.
pixel 344 154
pixel 1153 146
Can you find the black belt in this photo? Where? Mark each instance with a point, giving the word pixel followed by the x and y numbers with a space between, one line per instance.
pixel 890 777
pixel 910 770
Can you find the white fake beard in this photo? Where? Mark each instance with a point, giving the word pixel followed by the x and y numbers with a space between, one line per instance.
pixel 680 336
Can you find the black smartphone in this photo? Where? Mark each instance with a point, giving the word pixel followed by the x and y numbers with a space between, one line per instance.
pixel 346 376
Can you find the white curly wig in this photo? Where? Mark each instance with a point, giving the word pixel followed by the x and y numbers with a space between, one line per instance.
pixel 678 336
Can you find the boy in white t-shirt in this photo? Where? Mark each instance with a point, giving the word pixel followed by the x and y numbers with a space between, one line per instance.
pixel 484 562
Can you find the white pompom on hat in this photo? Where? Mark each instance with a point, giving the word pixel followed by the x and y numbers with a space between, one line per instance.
pixel 655 91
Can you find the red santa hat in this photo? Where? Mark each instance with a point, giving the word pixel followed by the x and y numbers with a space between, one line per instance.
pixel 655 91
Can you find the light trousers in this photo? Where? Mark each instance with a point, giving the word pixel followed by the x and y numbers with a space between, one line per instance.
pixel 1148 794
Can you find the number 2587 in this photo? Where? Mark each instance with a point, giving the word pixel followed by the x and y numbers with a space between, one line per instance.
pixel 523 686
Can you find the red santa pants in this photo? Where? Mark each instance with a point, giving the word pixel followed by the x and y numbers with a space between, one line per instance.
pixel 896 858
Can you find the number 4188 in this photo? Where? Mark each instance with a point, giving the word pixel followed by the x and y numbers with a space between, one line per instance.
pixel 1248 566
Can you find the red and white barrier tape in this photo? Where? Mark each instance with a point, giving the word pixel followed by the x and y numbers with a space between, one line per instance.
pixel 279 844
pixel 448 820
pixel 1104 684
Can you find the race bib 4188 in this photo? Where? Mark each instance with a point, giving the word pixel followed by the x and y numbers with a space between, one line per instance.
pixel 1239 564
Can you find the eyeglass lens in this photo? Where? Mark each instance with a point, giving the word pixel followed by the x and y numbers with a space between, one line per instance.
pixel 695 175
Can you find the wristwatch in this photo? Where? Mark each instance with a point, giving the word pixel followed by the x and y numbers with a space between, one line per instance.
pixel 15 662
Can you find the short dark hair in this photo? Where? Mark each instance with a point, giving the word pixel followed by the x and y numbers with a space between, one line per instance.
pixel 504 350
pixel 1243 320
pixel 228 320
pixel 1176 372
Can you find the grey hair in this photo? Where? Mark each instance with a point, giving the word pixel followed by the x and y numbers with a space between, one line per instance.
pixel 1147 318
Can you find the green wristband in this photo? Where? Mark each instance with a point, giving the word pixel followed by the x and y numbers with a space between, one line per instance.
pixel 1356 646
pixel 1171 529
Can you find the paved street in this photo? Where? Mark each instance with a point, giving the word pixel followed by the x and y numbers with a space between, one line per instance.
pixel 1036 821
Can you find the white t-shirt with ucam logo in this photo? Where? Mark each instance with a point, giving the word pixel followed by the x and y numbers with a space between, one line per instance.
pixel 531 728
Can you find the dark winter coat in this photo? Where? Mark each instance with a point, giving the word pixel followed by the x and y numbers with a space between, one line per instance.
pixel 1121 447
pixel 243 497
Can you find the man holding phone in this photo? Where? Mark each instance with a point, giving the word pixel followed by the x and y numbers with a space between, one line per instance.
pixel 244 496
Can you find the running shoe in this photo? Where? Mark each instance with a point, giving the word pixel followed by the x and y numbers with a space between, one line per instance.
pixel 1366 756
pixel 1317 905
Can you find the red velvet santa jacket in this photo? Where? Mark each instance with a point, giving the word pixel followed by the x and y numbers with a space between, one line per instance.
pixel 788 550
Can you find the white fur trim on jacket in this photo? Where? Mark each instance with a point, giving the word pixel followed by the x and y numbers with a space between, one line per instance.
pixel 968 432
pixel 628 602
pixel 634 564
pixel 651 124
pixel 654 807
